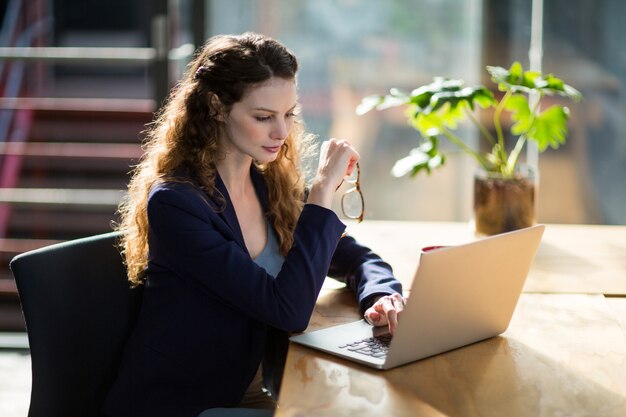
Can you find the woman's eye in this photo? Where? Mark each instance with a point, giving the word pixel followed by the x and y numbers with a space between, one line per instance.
pixel 290 115
pixel 263 118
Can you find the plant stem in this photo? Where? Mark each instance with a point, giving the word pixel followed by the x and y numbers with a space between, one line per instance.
pixel 459 142
pixel 514 156
pixel 480 127
pixel 502 157
pixel 515 153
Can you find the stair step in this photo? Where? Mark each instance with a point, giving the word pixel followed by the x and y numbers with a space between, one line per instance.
pixel 85 198
pixel 86 179
pixel 124 106
pixel 73 171
pixel 123 151
pixel 85 119
pixel 41 159
pixel 45 221
pixel 87 130
pixel 52 167
pixel 17 246
pixel 7 286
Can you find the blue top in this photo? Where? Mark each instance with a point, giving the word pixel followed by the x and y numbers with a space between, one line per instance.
pixel 270 258
pixel 210 315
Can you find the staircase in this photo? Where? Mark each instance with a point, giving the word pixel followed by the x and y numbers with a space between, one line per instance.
pixel 64 171
pixel 64 160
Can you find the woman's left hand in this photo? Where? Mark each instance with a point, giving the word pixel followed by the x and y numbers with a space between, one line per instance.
pixel 385 311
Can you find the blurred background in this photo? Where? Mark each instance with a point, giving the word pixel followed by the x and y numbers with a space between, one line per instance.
pixel 81 78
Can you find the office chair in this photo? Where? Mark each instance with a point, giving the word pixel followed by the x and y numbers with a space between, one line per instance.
pixel 79 310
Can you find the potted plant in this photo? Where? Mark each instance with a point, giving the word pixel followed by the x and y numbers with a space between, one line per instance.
pixel 504 189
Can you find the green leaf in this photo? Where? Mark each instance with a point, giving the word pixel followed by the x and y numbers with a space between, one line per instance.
pixel 557 86
pixel 413 163
pixel 516 80
pixel 435 162
pixel 432 123
pixel 425 157
pixel 436 109
pixel 498 74
pixel 395 98
pixel 369 103
pixel 550 128
pixel 484 98
pixel 427 124
pixel 464 97
pixel 554 83
pixel 422 96
pixel 521 114
pixel 451 114
pixel 572 93
pixel 392 100
pixel 516 73
pixel 512 79
pixel 441 104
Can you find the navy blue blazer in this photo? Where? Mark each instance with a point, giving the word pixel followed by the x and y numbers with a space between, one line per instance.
pixel 210 315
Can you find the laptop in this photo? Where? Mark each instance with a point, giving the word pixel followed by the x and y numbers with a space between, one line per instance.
pixel 460 295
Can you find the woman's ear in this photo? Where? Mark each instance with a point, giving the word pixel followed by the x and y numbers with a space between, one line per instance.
pixel 218 107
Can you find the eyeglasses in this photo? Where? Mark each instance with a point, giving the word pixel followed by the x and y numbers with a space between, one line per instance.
pixel 352 204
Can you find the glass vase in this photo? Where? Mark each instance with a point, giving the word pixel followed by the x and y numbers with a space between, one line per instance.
pixel 504 204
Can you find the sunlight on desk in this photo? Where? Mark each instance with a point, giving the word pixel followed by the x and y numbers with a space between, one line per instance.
pixel 571 258
pixel 564 353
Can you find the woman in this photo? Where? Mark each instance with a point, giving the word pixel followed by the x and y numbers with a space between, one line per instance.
pixel 216 227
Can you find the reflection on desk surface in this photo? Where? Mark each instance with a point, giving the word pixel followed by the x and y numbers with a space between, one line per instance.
pixel 562 355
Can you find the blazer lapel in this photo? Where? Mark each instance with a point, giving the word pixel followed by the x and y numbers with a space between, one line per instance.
pixel 228 213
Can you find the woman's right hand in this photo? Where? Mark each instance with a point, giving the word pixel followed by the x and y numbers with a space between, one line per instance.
pixel 337 159
pixel 386 311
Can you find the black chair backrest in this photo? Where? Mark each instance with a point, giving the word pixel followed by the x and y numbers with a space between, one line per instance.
pixel 79 310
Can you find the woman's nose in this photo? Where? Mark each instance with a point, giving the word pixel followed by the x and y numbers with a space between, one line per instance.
pixel 280 130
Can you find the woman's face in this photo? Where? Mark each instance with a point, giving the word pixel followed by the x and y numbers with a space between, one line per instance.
pixel 258 125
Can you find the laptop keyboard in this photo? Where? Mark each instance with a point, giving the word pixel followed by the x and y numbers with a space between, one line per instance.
pixel 376 346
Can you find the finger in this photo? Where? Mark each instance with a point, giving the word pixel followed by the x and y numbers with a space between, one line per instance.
pixel 390 312
pixel 373 318
pixel 353 157
pixel 345 150
pixel 392 319
pixel 383 304
pixel 398 302
pixel 324 148
pixel 379 307
pixel 333 145
pixel 351 165
pixel 337 159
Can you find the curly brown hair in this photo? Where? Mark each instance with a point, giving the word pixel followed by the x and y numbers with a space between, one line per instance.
pixel 185 135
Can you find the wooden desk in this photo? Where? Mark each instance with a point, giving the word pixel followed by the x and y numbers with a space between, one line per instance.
pixel 563 354
pixel 571 258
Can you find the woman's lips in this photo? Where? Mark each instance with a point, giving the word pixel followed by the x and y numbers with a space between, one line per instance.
pixel 272 149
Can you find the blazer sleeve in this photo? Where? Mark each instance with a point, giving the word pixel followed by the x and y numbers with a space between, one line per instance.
pixel 363 271
pixel 190 239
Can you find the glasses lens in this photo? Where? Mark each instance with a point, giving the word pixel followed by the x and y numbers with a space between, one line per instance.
pixel 352 204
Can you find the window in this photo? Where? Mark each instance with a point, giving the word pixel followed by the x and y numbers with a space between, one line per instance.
pixel 351 48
